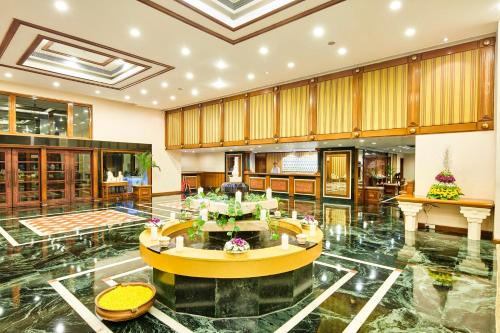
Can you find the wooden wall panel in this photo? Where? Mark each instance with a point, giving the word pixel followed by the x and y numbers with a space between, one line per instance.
pixel 334 106
pixel 385 98
pixel 294 111
pixel 212 179
pixel 192 126
pixel 211 119
pixel 234 120
pixel 449 89
pixel 261 116
pixel 174 129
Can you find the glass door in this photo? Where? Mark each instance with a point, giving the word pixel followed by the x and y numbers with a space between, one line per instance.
pixel 5 181
pixel 57 176
pixel 26 182
pixel 82 176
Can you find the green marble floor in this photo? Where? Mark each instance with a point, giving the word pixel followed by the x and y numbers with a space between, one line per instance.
pixel 413 282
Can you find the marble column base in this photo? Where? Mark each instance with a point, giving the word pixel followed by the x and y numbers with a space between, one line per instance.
pixel 221 298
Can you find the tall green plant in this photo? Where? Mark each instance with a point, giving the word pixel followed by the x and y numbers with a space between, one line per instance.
pixel 145 162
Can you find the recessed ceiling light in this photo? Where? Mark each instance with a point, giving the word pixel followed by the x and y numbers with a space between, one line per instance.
pixel 155 102
pixel 395 5
pixel 221 64
pixel 134 32
pixel 219 84
pixel 342 51
pixel 410 32
pixel 61 6
pixel 97 92
pixel 172 98
pixel 374 143
pixel 194 92
pixel 120 61
pixel 362 140
pixel 127 97
pixel 267 73
pixel 144 91
pixel 185 51
pixel 164 84
pixel 251 76
pixel 189 75
pixel 318 32
pixel 445 39
pixel 56 84
pixel 263 50
pixel 8 75
pixel 291 64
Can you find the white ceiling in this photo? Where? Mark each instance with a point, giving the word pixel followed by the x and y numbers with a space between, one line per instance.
pixel 367 28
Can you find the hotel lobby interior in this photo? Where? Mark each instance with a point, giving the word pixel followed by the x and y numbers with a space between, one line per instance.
pixel 249 166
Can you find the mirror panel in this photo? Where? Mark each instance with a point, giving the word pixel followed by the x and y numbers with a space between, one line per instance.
pixel 337 174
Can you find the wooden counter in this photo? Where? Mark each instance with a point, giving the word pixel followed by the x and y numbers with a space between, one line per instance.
pixel 288 183
pixel 479 203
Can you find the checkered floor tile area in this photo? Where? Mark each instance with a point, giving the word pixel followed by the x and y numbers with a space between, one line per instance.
pixel 173 205
pixel 45 226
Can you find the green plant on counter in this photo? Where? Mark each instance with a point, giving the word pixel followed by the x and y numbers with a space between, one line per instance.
pixel 272 224
pixel 252 197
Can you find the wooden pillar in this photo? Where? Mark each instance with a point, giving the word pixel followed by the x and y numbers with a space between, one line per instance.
pixel 276 114
pixel 12 113
pixel 95 173
pixel 291 186
pixel 268 182
pixel 356 174
pixel 357 102
pixel 317 187
pixel 413 112
pixel 69 123
pixel 313 107
pixel 43 175
pixel 486 83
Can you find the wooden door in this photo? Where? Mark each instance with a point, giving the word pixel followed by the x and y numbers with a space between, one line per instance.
pixel 58 177
pixel 26 177
pixel 81 175
pixel 5 178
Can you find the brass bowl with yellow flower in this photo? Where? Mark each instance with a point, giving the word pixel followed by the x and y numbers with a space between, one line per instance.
pixel 125 301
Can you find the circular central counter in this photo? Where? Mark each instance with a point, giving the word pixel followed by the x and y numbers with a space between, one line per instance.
pixel 217 284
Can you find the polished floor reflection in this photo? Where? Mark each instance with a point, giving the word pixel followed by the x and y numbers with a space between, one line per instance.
pixel 372 277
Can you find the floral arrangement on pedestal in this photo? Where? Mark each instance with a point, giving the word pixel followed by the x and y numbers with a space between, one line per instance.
pixel 445 188
pixel 236 245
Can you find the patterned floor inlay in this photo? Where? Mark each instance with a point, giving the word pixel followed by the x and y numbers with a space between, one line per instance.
pixel 45 226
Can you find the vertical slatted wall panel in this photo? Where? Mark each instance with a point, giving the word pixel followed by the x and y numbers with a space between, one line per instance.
pixel 334 106
pixel 261 116
pixel 174 128
pixel 191 126
pixel 211 123
pixel 449 89
pixel 234 120
pixel 385 98
pixel 294 111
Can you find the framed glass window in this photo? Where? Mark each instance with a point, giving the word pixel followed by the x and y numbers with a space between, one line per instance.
pixel 81 121
pixel 38 116
pixel 4 113
pixel 337 174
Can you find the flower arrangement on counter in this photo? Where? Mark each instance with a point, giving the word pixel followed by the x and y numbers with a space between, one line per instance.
pixel 154 222
pixel 308 221
pixel 236 245
pixel 445 188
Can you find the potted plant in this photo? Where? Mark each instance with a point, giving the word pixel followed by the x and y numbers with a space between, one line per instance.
pixel 144 163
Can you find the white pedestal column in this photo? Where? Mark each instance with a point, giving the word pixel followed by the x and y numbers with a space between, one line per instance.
pixel 475 216
pixel 410 210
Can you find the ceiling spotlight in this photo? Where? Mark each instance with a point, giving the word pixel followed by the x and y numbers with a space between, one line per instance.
pixel 185 51
pixel 374 143
pixel 164 84
pixel 395 5
pixel 189 75
pixel 219 84
pixel 172 98
pixel 127 97
pixel 410 32
pixel 194 92
pixel 155 102
pixel 8 75
pixel 318 32
pixel 56 84
pixel 291 64
pixel 263 50
pixel 251 76
pixel 97 92
pixel 445 39
pixel 221 64
pixel 61 6
pixel 144 91
pixel 362 140
pixel 342 51
pixel 267 73
pixel 134 32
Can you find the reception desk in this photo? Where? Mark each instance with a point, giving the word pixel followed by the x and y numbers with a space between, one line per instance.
pixel 292 184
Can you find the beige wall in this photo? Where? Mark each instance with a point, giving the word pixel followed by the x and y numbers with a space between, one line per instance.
pixel 123 122
pixel 409 166
pixel 210 162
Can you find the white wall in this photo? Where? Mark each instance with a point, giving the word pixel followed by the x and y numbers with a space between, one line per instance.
pixel 472 162
pixel 123 122
pixel 210 162
pixel 496 143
